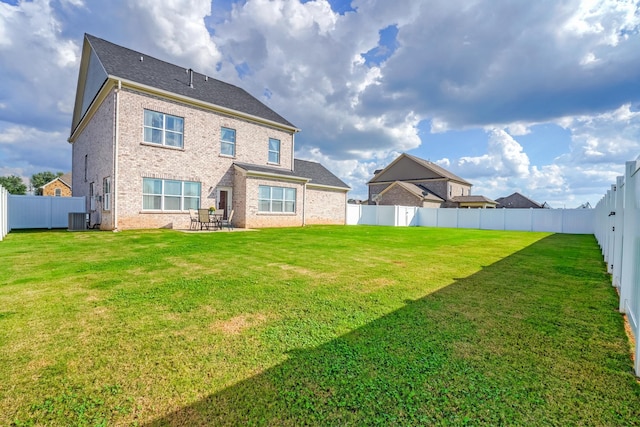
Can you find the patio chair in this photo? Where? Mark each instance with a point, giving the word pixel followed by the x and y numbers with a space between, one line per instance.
pixel 227 222
pixel 203 218
pixel 193 214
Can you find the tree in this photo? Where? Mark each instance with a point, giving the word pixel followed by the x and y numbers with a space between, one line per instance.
pixel 41 178
pixel 13 184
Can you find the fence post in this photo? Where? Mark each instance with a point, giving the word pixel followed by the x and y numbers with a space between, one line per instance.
pixel 4 221
pixel 630 229
pixel 618 228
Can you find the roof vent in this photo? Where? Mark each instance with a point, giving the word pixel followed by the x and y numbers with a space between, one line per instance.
pixel 206 78
pixel 141 58
pixel 190 71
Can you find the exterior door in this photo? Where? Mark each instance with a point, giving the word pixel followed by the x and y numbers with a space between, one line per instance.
pixel 224 201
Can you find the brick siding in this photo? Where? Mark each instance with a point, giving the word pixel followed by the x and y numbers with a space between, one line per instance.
pixel 199 160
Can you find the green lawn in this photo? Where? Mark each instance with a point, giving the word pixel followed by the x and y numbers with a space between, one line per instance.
pixel 318 326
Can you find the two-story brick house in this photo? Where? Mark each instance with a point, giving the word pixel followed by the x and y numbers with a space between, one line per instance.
pixel 412 181
pixel 152 140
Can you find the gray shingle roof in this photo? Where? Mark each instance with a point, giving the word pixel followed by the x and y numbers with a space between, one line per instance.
pixel 123 63
pixel 313 172
pixel 471 199
pixel 66 178
pixel 318 174
pixel 517 200
pixel 419 191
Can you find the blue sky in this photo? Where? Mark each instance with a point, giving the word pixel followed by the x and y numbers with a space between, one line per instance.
pixel 537 97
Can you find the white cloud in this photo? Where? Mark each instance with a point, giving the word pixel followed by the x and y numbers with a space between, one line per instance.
pixel 489 65
pixel 611 137
pixel 606 21
pixel 177 28
pixel 505 158
pixel 28 150
pixel 39 66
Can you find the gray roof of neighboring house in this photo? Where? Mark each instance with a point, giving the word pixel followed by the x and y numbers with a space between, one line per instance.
pixel 472 199
pixel 66 178
pixel 419 190
pixel 313 172
pixel 123 63
pixel 517 200
pixel 434 168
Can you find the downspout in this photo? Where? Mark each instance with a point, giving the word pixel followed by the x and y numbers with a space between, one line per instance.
pixel 304 204
pixel 293 149
pixel 114 181
pixel 304 188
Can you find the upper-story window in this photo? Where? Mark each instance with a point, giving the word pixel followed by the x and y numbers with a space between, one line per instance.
pixel 163 129
pixel 228 142
pixel 274 150
pixel 58 192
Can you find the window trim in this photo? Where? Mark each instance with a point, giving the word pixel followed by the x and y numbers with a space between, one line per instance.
pixel 231 143
pixel 163 129
pixel 271 200
pixel 276 152
pixel 163 196
pixel 106 189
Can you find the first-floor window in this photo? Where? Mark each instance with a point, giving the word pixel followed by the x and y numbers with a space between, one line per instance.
pixel 276 199
pixel 170 195
pixel 106 189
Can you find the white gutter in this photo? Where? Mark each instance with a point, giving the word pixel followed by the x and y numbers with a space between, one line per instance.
pixel 329 187
pixel 273 175
pixel 114 181
pixel 208 105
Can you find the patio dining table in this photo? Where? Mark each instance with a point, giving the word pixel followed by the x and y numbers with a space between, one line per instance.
pixel 216 219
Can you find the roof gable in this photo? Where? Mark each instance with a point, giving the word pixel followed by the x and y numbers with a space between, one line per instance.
pixel 420 192
pixel 517 200
pixel 409 168
pixel 102 59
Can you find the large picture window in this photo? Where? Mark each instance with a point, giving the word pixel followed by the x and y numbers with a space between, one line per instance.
pixel 276 199
pixel 163 129
pixel 228 142
pixel 170 195
pixel 274 151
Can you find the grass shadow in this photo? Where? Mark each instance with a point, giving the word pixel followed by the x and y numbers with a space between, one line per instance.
pixel 533 339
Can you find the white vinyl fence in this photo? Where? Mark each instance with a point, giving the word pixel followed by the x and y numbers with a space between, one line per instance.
pixel 618 233
pixel 42 211
pixel 571 221
pixel 4 212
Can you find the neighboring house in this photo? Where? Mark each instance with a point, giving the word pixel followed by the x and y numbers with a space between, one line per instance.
pixel 585 206
pixel 152 140
pixel 518 201
pixel 411 181
pixel 59 187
